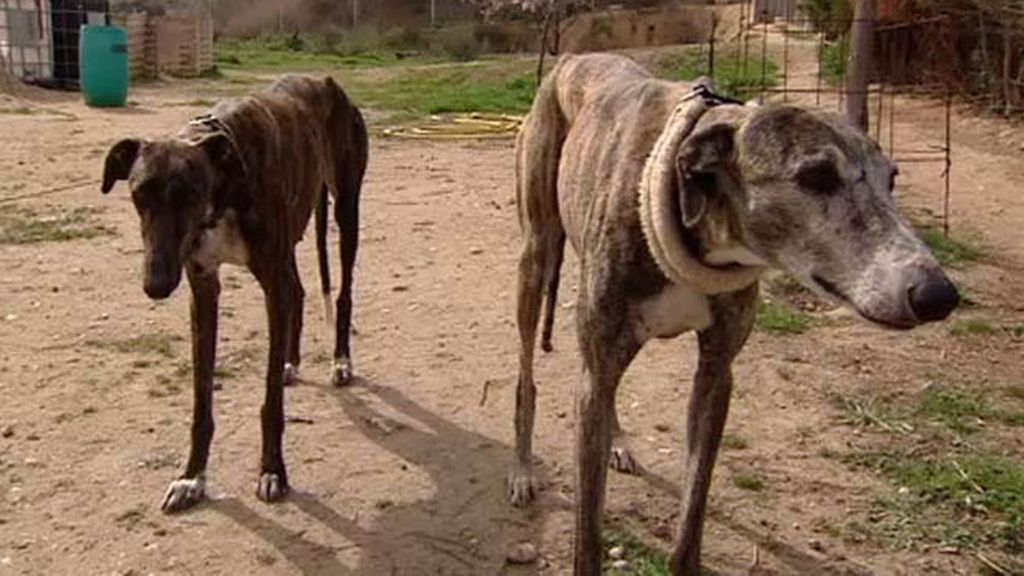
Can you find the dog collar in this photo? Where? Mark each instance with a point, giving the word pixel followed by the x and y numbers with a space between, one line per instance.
pixel 658 198
pixel 704 92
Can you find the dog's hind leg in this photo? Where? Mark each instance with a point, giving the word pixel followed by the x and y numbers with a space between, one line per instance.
pixel 553 275
pixel 349 178
pixel 537 252
pixel 190 488
pixel 733 316
pixel 537 149
pixel 622 456
pixel 293 356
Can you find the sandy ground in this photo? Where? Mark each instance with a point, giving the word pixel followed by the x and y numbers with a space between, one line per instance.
pixel 403 473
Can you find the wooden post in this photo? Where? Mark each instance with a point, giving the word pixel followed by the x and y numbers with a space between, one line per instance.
pixel 859 64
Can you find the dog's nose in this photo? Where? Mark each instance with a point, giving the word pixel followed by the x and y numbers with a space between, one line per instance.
pixel 934 298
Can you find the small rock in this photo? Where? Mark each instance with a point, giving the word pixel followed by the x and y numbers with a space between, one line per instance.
pixel 11 317
pixel 400 288
pixel 662 532
pixel 476 250
pixel 521 553
pixel 661 427
pixel 816 544
pixel 617 553
pixel 7 431
pixel 621 565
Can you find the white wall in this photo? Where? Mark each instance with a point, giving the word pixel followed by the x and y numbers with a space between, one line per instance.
pixel 24 44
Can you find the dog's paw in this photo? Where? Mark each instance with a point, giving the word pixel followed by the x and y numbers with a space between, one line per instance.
pixel 341 371
pixel 545 345
pixel 271 487
pixel 622 461
pixel 183 493
pixel 291 374
pixel 522 488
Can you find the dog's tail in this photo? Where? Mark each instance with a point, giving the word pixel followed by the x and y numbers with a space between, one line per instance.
pixel 322 256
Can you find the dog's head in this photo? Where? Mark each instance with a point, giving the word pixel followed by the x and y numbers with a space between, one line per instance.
pixel 806 192
pixel 175 186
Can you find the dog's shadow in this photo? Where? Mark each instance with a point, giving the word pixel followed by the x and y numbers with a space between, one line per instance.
pixel 463 528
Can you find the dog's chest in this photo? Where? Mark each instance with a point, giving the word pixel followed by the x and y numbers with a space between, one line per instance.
pixel 221 243
pixel 674 310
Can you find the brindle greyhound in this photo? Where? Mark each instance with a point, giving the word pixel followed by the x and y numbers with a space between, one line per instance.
pixel 675 201
pixel 238 185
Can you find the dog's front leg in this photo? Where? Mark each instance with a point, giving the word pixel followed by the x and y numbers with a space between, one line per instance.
pixel 189 489
pixel 273 482
pixel 607 353
pixel 733 316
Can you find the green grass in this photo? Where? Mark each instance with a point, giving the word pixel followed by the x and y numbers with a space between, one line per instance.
pixel 643 559
pixel 750 481
pixel 731 76
pixel 971 327
pixel 18 111
pixel 280 54
pixel 26 226
pixel 833 61
pixel 449 90
pixel 870 412
pixel 733 442
pixel 948 250
pixel 958 410
pixel 782 319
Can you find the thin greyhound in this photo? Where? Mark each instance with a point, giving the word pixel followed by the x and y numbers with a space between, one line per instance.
pixel 238 185
pixel 676 201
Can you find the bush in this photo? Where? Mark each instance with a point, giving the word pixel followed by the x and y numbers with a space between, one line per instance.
pixel 831 17
pixel 459 44
pixel 405 38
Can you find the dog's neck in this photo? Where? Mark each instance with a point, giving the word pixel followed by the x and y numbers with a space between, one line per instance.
pixel 682 257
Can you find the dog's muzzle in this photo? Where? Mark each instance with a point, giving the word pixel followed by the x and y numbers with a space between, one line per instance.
pixel 933 297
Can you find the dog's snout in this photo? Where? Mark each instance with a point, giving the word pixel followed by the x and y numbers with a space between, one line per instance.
pixel 160 280
pixel 934 298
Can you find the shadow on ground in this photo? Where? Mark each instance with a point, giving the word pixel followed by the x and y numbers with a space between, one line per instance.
pixel 463 529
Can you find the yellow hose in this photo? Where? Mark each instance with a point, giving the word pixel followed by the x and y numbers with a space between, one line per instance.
pixel 475 126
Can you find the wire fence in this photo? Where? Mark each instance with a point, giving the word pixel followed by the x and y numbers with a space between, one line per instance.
pixel 770 56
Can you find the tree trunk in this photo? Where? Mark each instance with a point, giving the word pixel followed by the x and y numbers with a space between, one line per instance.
pixel 859 63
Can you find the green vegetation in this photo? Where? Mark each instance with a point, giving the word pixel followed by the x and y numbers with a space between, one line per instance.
pixel 26 226
pixel 17 110
pixel 833 61
pixel 748 481
pixel 643 559
pixel 948 250
pixel 732 76
pixel 733 442
pixel 971 327
pixel 831 17
pixel 956 409
pixel 782 319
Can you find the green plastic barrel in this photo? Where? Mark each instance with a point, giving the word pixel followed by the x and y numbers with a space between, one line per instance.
pixel 103 62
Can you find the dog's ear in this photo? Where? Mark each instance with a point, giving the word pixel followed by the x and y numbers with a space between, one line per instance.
pixel 700 164
pixel 119 162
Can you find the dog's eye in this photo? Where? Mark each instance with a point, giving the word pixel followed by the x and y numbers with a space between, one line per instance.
pixel 819 177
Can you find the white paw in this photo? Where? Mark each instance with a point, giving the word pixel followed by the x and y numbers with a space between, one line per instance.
pixel 184 493
pixel 622 461
pixel 341 371
pixel 291 374
pixel 522 488
pixel 271 487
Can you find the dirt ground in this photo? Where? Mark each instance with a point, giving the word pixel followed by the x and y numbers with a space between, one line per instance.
pixel 403 472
